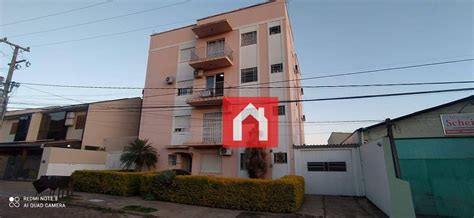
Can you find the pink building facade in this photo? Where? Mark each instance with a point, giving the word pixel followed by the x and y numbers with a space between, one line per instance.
pixel 191 68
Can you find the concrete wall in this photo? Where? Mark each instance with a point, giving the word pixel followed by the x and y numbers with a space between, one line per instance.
pixel 104 122
pixel 390 194
pixel 63 161
pixel 34 127
pixel 5 135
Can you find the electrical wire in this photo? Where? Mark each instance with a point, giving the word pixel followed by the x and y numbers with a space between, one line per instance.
pixel 101 20
pixel 255 87
pixel 57 13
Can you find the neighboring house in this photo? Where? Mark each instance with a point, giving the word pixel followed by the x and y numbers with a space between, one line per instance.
pixel 338 137
pixel 435 150
pixel 250 48
pixel 40 141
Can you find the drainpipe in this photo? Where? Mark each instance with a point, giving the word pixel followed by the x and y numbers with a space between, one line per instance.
pixel 393 148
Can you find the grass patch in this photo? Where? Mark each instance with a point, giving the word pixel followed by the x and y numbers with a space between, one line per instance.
pixel 139 208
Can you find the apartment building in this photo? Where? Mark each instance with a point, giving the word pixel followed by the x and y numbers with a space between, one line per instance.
pixel 190 69
pixel 26 137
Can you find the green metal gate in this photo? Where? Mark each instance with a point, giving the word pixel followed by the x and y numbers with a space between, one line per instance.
pixel 441 174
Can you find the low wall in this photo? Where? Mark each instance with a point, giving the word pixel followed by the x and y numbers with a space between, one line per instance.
pixel 64 161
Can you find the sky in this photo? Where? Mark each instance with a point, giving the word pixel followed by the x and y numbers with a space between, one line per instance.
pixel 331 37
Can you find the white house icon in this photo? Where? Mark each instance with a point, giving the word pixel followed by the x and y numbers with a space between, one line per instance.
pixel 259 115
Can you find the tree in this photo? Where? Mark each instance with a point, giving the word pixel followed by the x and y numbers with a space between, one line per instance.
pixel 255 162
pixel 139 152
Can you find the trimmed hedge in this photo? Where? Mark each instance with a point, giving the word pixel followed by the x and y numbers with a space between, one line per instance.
pixel 283 195
pixel 111 182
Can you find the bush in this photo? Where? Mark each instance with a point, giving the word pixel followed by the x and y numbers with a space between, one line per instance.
pixel 111 182
pixel 282 195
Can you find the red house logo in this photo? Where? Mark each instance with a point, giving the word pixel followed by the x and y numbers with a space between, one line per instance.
pixel 250 122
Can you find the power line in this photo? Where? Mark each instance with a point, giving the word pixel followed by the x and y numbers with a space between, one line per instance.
pixel 108 35
pixel 378 96
pixel 255 87
pixel 289 101
pixel 372 71
pixel 100 20
pixel 55 14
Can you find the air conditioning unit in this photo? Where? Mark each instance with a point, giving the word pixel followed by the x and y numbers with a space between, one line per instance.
pixel 225 151
pixel 198 73
pixel 169 80
pixel 206 93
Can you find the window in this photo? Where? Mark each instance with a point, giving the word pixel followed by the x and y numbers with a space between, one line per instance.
pixel 210 163
pixel 22 129
pixel 185 54
pixel 327 166
pixel 185 91
pixel 172 159
pixel 212 127
pixel 52 126
pixel 296 69
pixel 14 128
pixel 302 91
pixel 80 122
pixel 281 110
pixel 316 166
pixel 275 30
pixel 182 123
pixel 216 48
pixel 280 157
pixel 336 166
pixel 249 38
pixel 243 161
pixel 249 75
pixel 277 68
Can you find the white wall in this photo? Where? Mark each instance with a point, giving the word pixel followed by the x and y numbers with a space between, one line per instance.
pixel 390 194
pixel 374 171
pixel 347 183
pixel 62 169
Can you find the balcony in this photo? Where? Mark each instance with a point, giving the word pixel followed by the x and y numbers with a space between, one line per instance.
pixel 207 97
pixel 211 132
pixel 212 28
pixel 211 57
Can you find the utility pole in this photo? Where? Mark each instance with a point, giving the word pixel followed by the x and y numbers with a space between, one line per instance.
pixel 7 85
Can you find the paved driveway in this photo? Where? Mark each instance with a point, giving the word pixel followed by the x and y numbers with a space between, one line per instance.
pixel 314 206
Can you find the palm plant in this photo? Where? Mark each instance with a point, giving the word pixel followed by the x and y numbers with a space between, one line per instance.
pixel 139 152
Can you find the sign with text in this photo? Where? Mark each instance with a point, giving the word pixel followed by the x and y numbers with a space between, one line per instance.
pixel 250 122
pixel 458 124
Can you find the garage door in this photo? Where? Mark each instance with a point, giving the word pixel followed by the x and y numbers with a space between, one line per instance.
pixel 328 171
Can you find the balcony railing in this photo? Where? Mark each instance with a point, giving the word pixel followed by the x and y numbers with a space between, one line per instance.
pixel 207 97
pixel 211 57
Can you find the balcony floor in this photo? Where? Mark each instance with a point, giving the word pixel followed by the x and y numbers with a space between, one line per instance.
pixel 211 63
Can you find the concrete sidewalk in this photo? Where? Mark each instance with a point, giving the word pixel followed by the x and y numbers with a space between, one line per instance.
pixel 314 205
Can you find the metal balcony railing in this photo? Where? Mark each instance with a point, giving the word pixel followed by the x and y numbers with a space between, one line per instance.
pixel 207 97
pixel 211 52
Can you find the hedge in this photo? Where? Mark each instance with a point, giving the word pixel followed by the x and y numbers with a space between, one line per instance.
pixel 283 195
pixel 111 182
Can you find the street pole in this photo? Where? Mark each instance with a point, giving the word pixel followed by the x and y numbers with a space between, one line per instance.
pixel 7 85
